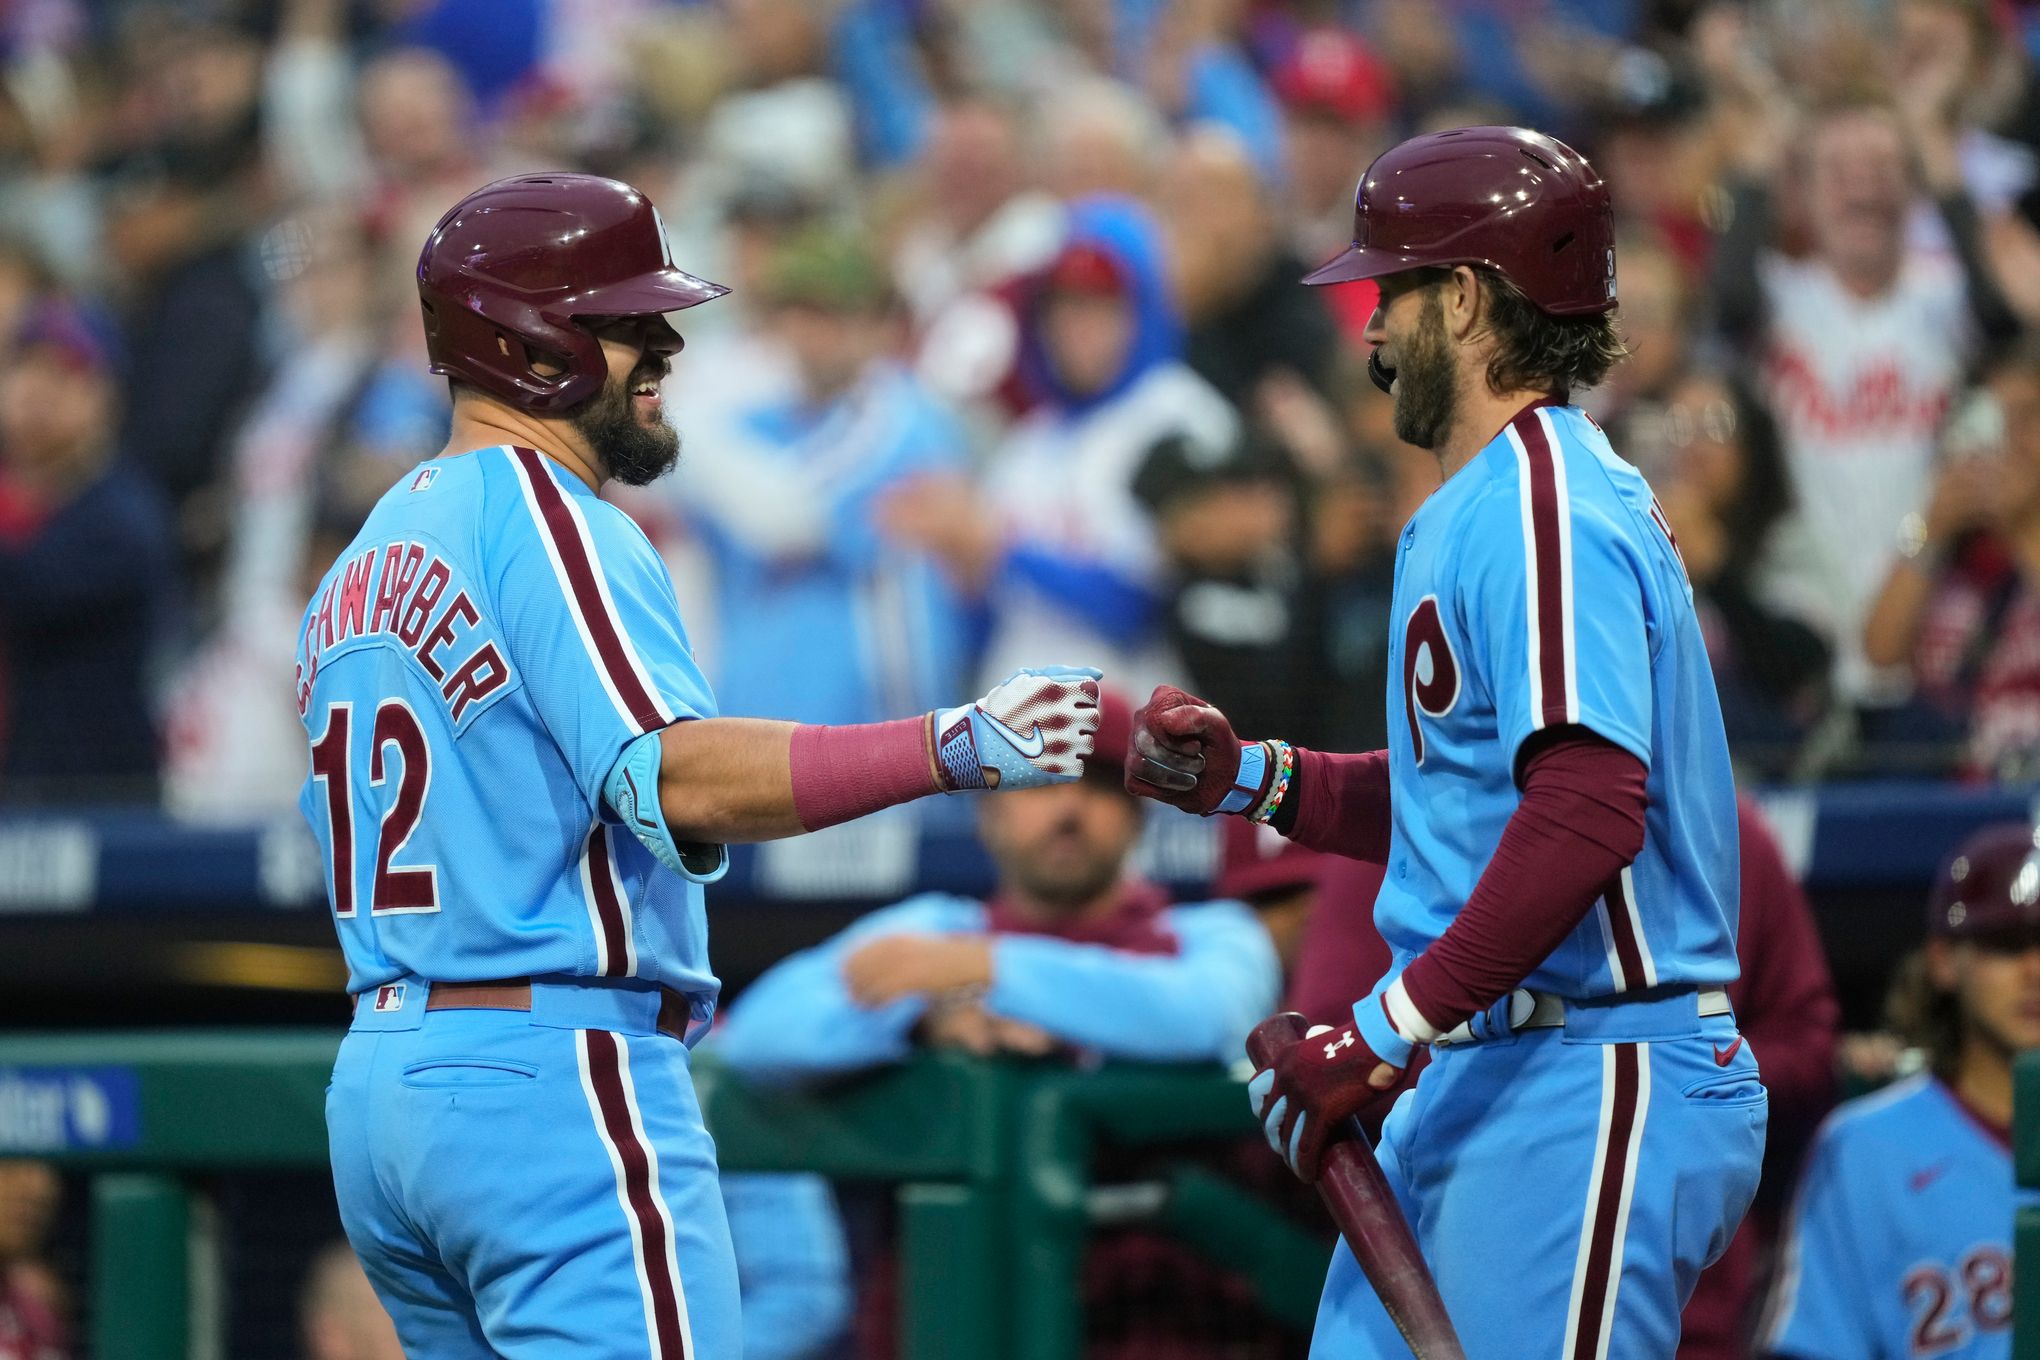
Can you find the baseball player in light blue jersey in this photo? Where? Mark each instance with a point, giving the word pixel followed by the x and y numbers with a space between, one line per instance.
pixel 1555 806
pixel 1900 1243
pixel 520 783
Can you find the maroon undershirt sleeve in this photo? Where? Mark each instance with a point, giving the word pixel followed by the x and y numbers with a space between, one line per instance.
pixel 1338 803
pixel 1579 824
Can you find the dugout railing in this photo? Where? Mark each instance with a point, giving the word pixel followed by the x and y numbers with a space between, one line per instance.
pixel 992 1163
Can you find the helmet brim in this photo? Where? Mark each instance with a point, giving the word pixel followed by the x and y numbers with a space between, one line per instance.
pixel 1360 262
pixel 664 290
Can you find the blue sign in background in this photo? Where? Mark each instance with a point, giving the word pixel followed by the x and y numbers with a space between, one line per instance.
pixel 52 1109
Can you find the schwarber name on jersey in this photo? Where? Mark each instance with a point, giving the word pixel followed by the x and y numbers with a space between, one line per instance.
pixel 1539 588
pixel 1901 1240
pixel 469 671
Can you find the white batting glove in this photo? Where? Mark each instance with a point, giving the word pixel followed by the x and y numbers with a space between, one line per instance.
pixel 1035 727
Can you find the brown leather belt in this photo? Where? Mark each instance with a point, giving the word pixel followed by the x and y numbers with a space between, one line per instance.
pixel 514 994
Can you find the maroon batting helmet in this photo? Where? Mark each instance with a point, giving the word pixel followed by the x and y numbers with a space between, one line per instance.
pixel 1526 205
pixel 506 276
pixel 1990 885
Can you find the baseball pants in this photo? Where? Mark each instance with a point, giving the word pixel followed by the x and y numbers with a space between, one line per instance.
pixel 532 1184
pixel 1567 1186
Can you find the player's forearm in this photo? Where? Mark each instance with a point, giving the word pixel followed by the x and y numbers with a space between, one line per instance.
pixel 1195 1006
pixel 1338 803
pixel 737 780
pixel 1580 823
pixel 727 780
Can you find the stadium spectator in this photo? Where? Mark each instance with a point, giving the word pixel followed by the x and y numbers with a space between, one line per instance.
pixel 1656 320
pixel 1960 605
pixel 339 1316
pixel 789 504
pixel 1338 100
pixel 979 223
pixel 1196 73
pixel 1099 138
pixel 191 317
pixel 1236 277
pixel 1900 1241
pixel 86 573
pixel 418 130
pixel 1713 457
pixel 236 745
pixel 1068 560
pixel 1863 343
pixel 33 1323
pixel 23 278
pixel 1242 611
pixel 1070 956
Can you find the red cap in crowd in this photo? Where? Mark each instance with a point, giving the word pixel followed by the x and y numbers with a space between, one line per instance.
pixel 1086 269
pixel 1332 72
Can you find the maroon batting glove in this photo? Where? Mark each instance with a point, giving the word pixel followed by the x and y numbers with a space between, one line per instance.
pixel 1314 1087
pixel 1184 753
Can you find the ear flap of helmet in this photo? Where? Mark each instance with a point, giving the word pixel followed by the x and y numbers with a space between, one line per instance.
pixel 496 350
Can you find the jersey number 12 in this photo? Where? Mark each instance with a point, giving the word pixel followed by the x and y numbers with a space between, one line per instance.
pixel 396 729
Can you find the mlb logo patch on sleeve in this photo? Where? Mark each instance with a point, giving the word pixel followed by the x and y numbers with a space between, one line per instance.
pixel 426 476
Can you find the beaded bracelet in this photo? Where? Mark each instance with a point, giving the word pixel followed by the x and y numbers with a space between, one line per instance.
pixel 1285 769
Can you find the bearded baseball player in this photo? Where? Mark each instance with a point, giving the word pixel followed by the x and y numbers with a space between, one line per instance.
pixel 521 785
pixel 1554 808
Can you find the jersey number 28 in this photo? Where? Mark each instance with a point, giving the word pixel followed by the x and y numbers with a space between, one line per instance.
pixel 397 730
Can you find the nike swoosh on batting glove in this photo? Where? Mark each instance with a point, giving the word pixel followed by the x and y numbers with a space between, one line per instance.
pixel 1315 1086
pixel 1035 727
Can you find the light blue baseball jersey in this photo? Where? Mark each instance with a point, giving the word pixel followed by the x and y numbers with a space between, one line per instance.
pixel 1196 1004
pixel 468 673
pixel 1901 1241
pixel 1538 588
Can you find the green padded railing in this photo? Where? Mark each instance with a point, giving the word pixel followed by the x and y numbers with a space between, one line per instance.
pixel 2026 1229
pixel 992 1161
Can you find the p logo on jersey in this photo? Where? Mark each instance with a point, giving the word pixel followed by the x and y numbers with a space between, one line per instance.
pixel 1430 670
pixel 425 478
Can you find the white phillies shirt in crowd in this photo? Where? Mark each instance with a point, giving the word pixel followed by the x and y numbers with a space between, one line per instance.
pixel 1064 485
pixel 1859 387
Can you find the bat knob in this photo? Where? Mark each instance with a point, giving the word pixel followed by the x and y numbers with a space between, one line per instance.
pixel 1273 1035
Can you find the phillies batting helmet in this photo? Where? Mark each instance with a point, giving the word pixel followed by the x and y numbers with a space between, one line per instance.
pixel 506 276
pixel 1990 885
pixel 1526 205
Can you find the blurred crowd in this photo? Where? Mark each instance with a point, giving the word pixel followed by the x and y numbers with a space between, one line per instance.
pixel 1016 364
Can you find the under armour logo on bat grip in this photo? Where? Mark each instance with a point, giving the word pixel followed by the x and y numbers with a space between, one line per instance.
pixel 1343 1041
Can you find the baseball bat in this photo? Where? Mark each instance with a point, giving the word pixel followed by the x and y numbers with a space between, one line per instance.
pixel 1356 1192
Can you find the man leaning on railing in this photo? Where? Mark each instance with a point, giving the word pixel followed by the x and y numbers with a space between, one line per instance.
pixel 1071 955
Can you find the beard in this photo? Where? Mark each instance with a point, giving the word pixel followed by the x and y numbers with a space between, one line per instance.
pixel 635 453
pixel 1426 398
pixel 1064 878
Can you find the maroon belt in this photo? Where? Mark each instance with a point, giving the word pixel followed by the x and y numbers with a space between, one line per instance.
pixel 514 994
